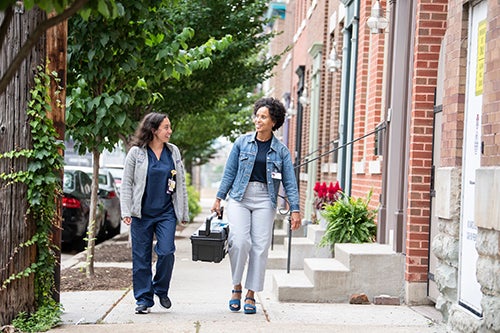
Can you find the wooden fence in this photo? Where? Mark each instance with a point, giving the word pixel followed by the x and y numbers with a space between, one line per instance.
pixel 15 228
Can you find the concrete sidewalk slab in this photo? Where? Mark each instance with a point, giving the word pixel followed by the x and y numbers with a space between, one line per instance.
pixel 200 292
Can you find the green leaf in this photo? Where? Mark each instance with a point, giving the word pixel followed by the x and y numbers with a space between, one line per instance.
pixel 102 7
pixel 108 101
pixel 120 119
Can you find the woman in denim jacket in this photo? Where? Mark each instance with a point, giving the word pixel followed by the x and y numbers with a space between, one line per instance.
pixel 153 199
pixel 257 165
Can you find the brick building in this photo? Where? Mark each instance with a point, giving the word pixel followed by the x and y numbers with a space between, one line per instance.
pixel 410 112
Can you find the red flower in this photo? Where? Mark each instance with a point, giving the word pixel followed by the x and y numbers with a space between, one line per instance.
pixel 326 195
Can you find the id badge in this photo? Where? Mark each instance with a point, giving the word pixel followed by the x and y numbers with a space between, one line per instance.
pixel 276 175
pixel 171 182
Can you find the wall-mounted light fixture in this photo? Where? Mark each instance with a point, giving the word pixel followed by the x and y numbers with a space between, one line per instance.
pixel 377 23
pixel 333 62
pixel 304 99
pixel 19 7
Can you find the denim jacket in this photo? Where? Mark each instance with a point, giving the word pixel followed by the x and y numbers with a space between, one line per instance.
pixel 239 166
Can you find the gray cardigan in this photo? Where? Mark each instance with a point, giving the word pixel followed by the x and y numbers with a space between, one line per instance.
pixel 134 183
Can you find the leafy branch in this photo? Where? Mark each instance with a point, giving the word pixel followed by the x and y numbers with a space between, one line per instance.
pixel 65 10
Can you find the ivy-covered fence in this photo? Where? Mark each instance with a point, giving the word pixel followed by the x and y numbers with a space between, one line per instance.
pixel 29 186
pixel 32 260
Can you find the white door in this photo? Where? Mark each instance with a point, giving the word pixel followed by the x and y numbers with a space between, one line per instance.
pixel 469 289
pixel 432 289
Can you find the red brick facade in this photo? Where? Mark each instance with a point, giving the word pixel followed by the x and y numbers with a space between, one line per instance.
pixel 430 27
pixel 321 23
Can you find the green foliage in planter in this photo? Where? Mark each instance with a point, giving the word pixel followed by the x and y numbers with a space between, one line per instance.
pixel 349 220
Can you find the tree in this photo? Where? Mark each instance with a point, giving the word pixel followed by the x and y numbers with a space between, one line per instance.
pixel 63 9
pixel 115 67
pixel 216 101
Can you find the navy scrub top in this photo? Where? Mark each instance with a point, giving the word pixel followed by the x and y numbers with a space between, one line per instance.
pixel 156 202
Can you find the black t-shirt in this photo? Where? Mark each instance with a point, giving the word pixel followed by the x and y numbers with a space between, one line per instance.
pixel 259 167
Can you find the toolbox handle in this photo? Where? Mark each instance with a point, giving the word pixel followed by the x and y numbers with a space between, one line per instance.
pixel 208 221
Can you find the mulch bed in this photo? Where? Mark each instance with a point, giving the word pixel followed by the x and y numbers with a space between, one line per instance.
pixel 105 278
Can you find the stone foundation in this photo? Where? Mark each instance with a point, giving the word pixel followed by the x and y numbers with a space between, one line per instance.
pixel 445 246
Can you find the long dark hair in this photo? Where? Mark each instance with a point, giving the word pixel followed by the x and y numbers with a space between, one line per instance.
pixel 276 110
pixel 144 133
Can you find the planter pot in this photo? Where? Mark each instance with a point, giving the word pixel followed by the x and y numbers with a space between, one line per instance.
pixel 323 223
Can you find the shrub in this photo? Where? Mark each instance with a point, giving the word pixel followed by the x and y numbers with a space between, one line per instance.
pixel 193 199
pixel 349 221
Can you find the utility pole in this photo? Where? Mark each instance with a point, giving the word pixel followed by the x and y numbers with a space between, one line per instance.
pixel 57 47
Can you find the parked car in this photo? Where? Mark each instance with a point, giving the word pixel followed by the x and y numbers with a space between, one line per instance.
pixel 108 193
pixel 117 172
pixel 76 209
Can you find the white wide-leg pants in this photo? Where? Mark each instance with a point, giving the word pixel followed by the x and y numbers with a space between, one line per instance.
pixel 250 234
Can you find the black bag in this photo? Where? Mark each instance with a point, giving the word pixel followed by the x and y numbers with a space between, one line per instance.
pixel 209 242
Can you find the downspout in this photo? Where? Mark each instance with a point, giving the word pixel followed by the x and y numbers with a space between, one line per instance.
pixel 397 133
pixel 386 97
pixel 352 97
pixel 348 94
pixel 298 135
pixel 341 173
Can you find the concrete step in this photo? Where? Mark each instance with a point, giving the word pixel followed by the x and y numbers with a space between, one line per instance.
pixel 315 232
pixel 361 257
pixel 277 258
pixel 292 287
pixel 319 272
pixel 278 236
pixel 373 269
pixel 298 287
pixel 301 248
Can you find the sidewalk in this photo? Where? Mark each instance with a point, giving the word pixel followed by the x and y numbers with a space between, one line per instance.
pixel 200 292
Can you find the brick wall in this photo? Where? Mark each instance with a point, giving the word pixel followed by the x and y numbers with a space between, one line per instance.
pixel 491 100
pixel 429 31
pixel 454 88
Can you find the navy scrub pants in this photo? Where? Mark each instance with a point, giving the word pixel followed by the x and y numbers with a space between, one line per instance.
pixel 142 232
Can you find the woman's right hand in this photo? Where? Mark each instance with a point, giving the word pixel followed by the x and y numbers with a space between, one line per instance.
pixel 127 220
pixel 216 207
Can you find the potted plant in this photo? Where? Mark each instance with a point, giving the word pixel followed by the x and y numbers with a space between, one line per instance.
pixel 324 195
pixel 349 220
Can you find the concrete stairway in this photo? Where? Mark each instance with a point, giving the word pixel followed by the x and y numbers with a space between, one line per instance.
pixel 302 247
pixel 370 268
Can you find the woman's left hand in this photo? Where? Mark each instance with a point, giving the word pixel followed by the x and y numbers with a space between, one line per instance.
pixel 295 221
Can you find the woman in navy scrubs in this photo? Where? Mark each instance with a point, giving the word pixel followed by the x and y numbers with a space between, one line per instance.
pixel 153 199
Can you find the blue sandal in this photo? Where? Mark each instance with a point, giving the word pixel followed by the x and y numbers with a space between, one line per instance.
pixel 235 304
pixel 250 308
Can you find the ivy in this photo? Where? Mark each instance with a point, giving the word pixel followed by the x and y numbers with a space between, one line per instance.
pixel 43 182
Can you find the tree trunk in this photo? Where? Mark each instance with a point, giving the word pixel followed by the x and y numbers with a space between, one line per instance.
pixel 57 47
pixel 91 233
pixel 15 227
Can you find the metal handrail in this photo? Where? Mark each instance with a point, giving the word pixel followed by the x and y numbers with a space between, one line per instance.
pixel 339 147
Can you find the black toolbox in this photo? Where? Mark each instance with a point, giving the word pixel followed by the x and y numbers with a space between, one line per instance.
pixel 209 242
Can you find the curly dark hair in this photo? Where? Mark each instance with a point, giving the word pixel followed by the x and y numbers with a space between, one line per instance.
pixel 276 109
pixel 144 133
